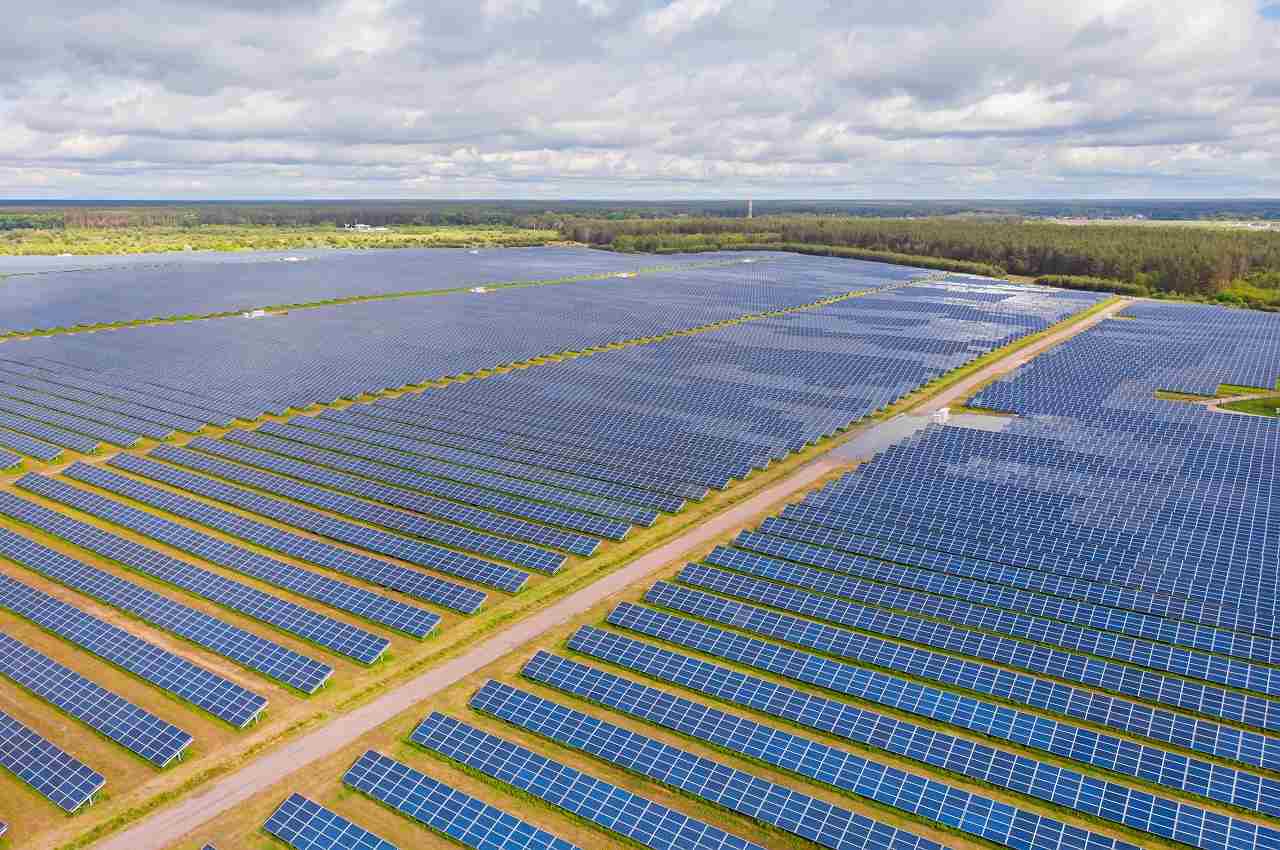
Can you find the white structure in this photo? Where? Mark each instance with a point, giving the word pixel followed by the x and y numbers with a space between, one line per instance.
pixel 254 314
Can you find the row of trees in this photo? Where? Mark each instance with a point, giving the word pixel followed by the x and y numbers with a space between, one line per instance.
pixel 1189 260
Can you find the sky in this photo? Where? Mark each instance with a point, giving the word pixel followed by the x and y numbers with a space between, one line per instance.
pixel 647 99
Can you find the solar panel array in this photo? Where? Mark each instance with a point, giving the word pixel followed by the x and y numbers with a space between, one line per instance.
pixel 434 557
pixel 257 653
pixel 66 782
pixel 791 811
pixel 382 573
pixel 620 811
pixel 305 825
pixel 434 804
pixel 134 728
pixel 215 694
pixel 90 290
pixel 343 638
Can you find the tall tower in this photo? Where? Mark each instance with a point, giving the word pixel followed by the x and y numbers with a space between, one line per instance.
pixel 748 208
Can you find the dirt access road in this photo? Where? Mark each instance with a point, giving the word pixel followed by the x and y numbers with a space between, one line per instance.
pixel 168 825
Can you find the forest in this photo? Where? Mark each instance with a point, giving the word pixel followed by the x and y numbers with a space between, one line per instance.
pixel 1226 264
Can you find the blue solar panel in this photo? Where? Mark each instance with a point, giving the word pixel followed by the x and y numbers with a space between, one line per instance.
pixel 1166 690
pixel 1184 662
pixel 408 439
pixel 422 554
pixel 22 444
pixel 446 810
pixel 1184 731
pixel 484 520
pixel 215 694
pixel 789 810
pixel 570 513
pixel 465 493
pixel 257 653
pixel 45 416
pixel 49 434
pixel 62 779
pixel 1119 755
pixel 305 825
pixel 341 637
pixel 845 770
pixel 134 728
pixel 620 811
pixel 382 573
pixel 454 536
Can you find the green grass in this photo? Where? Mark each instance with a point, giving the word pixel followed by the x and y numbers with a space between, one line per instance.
pixel 1269 406
pixel 146 240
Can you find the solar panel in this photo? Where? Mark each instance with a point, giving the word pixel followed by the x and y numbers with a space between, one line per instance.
pixel 90 414
pixel 455 536
pixel 446 810
pixel 485 520
pixel 23 444
pixel 478 497
pixel 56 436
pixel 305 825
pixel 374 570
pixel 1035 731
pixel 1057 698
pixel 852 773
pixel 373 540
pixel 217 695
pixel 1130 681
pixel 9 460
pixel 344 638
pixel 858 613
pixel 106 433
pixel 54 774
pixel 405 438
pixel 620 811
pixel 134 728
pixel 380 464
pixel 256 653
pixel 306 429
pixel 782 807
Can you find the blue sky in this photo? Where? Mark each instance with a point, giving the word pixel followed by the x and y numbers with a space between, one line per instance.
pixel 645 99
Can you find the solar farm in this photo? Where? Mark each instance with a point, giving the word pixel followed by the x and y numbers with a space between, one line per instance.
pixel 220 534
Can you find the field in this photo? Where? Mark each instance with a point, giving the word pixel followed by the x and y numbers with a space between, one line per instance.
pixel 295 537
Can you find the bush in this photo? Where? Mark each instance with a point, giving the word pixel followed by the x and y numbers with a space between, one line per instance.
pixel 1092 284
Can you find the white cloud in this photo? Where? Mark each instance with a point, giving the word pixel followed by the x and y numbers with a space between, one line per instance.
pixel 610 98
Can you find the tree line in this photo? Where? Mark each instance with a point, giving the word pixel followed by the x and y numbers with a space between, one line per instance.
pixel 1186 260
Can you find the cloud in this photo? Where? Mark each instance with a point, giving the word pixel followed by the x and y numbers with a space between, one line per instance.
pixel 640 98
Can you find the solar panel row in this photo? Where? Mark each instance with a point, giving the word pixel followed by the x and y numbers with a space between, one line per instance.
pixel 1078 744
pixel 789 810
pixel 46 417
pixel 22 444
pixel 620 811
pixel 341 637
pixel 1114 619
pixel 608 516
pixel 133 728
pixel 407 439
pixel 59 777
pixel 477 496
pixel 520 554
pixel 374 570
pixel 370 539
pixel 446 810
pixel 172 673
pixel 1069 789
pixel 49 434
pixel 256 653
pixel 1164 690
pixel 858 613
pixel 305 825
pixel 632 486
pixel 483 520
pixel 1162 726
